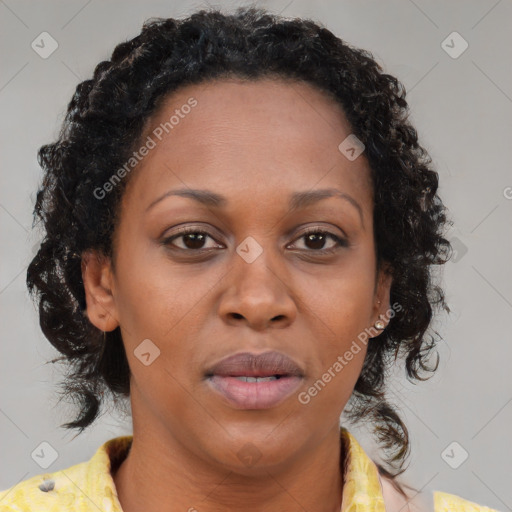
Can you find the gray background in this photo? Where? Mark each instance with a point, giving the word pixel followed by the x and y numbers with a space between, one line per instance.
pixel 462 109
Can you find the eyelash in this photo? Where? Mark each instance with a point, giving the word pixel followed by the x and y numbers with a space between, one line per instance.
pixel 191 230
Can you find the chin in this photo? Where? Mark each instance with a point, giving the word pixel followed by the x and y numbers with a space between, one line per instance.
pixel 255 452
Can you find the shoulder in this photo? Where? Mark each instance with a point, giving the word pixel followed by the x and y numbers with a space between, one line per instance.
pixel 439 501
pixel 84 487
pixel 445 502
pixel 394 501
pixel 46 492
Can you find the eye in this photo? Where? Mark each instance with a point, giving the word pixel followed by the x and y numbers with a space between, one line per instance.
pixel 192 239
pixel 315 240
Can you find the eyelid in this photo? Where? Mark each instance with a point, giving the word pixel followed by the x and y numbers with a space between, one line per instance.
pixel 319 228
pixel 341 240
pixel 191 228
pixel 185 230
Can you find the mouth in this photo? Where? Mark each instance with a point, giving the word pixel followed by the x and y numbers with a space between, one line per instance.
pixel 249 381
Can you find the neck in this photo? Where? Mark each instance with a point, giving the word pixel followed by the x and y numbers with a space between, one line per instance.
pixel 160 474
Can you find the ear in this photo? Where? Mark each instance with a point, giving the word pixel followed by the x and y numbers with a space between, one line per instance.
pixel 98 280
pixel 382 294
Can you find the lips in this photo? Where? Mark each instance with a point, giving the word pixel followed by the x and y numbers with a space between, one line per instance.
pixel 246 364
pixel 249 381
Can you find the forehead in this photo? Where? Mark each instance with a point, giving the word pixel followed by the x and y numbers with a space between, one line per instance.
pixel 262 138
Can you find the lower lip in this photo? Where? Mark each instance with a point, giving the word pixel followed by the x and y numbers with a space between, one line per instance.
pixel 254 395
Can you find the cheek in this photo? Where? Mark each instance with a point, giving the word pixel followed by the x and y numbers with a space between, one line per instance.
pixel 341 302
pixel 340 311
pixel 167 305
pixel 154 297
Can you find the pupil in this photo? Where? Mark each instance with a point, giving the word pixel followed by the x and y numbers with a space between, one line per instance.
pixel 196 238
pixel 320 238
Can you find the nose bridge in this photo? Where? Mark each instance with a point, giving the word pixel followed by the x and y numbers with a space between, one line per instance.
pixel 257 291
pixel 256 268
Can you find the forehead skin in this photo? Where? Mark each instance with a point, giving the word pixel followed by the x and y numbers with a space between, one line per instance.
pixel 252 139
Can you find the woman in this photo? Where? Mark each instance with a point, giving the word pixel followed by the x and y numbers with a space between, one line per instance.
pixel 240 231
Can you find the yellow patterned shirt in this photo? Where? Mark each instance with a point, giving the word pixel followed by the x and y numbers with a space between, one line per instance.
pixel 89 486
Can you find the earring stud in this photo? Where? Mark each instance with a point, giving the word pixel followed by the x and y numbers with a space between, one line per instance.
pixel 379 324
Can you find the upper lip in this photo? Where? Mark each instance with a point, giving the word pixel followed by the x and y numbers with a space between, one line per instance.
pixel 256 365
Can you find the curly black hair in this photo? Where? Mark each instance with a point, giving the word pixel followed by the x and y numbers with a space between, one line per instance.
pixel 104 123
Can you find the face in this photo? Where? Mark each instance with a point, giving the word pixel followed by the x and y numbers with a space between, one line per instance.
pixel 261 269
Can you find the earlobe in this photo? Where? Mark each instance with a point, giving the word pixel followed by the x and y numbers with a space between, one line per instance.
pixel 98 285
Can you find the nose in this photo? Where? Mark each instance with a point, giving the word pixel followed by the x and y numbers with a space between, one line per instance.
pixel 258 294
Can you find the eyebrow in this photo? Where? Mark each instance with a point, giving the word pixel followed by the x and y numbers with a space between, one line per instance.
pixel 297 199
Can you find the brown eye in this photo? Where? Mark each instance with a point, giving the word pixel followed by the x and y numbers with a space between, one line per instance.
pixel 192 239
pixel 316 239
